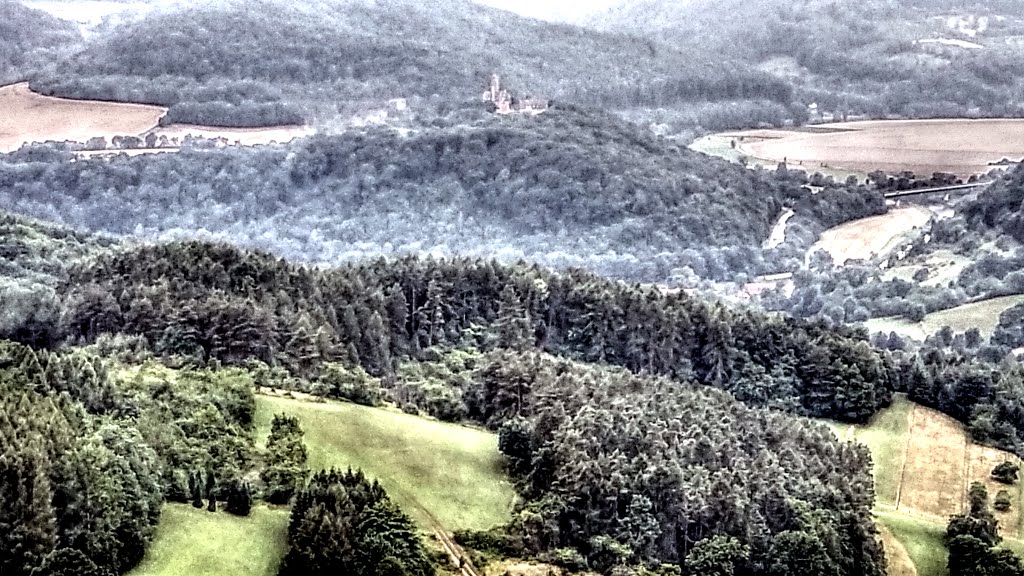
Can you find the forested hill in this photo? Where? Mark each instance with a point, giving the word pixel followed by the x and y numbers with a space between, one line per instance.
pixel 28 38
pixel 999 206
pixel 215 302
pixel 323 56
pixel 855 56
pixel 567 188
pixel 680 467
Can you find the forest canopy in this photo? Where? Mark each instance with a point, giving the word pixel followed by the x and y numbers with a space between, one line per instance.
pixel 569 188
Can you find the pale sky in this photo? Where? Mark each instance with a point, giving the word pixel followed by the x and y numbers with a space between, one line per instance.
pixel 560 10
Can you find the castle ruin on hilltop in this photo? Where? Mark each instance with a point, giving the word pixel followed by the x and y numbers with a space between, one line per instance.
pixel 505 103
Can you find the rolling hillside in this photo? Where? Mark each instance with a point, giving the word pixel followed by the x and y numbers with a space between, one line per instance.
pixel 923 464
pixel 568 188
pixel 28 38
pixel 280 60
pixel 913 59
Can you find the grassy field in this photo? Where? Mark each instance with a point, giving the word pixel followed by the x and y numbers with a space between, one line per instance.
pixel 886 437
pixel 923 465
pixel 983 315
pixel 201 543
pixel 454 472
pixel 921 539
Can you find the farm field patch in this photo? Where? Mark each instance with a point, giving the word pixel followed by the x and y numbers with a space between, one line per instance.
pixel 961 147
pixel 983 315
pixel 869 237
pixel 923 464
pixel 30 117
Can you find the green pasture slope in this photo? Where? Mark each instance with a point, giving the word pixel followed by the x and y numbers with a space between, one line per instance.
pixel 922 537
pixel 431 469
pixel 983 315
pixel 199 543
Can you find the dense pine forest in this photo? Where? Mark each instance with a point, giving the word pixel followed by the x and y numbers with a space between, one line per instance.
pixel 369 332
pixel 533 280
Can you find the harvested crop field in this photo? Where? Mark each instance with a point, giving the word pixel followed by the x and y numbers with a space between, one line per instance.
pixel 924 463
pixel 865 238
pixel 934 474
pixel 961 147
pixel 30 117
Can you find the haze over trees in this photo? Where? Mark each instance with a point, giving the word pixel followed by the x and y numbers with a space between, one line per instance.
pixel 649 432
pixel 265 63
pixel 28 38
pixel 853 56
pixel 570 188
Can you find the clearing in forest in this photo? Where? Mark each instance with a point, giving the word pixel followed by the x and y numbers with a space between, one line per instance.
pixel 437 472
pixel 943 266
pixel 983 315
pixel 200 543
pixel 869 237
pixel 924 463
pixel 30 117
pixel 961 147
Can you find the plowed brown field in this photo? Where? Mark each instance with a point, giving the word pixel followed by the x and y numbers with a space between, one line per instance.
pixel 961 147
pixel 29 117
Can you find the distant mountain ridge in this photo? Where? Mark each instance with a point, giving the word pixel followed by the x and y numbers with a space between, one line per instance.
pixel 332 53
pixel 853 56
